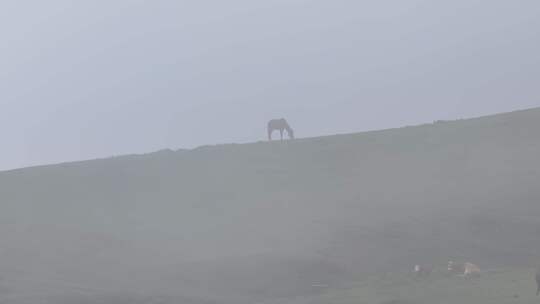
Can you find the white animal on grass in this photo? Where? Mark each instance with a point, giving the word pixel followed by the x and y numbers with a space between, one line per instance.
pixel 422 270
pixel 466 269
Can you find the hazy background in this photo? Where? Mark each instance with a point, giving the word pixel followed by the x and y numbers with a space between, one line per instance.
pixel 97 78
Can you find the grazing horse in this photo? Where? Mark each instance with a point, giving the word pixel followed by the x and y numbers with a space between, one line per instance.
pixel 281 125
pixel 538 282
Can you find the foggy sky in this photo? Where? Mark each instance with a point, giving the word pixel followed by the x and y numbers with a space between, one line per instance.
pixel 88 79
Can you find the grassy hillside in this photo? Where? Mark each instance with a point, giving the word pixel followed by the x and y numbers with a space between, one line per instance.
pixel 266 222
pixel 501 286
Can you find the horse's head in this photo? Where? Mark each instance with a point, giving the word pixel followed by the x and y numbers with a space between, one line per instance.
pixel 291 133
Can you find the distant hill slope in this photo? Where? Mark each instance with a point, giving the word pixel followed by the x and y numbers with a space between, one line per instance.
pixel 243 223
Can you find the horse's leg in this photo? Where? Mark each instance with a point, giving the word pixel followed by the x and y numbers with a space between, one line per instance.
pixel 269 134
pixel 281 133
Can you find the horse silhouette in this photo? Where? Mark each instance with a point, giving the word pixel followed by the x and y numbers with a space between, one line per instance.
pixel 281 125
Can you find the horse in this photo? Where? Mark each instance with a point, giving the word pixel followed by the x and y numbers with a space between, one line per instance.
pixel 281 125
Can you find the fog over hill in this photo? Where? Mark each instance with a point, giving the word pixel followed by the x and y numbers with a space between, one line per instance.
pixel 87 79
pixel 264 222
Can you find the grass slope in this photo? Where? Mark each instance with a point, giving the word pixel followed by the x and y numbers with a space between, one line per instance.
pixel 502 286
pixel 265 221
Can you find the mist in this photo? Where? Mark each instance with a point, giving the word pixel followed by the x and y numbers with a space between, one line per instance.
pixel 138 166
pixel 91 80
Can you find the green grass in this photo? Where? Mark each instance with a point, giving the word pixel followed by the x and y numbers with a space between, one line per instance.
pixel 263 222
pixel 503 286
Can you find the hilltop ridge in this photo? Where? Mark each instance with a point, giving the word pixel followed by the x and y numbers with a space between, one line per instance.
pixel 493 118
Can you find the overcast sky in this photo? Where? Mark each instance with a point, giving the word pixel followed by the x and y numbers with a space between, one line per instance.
pixel 89 79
